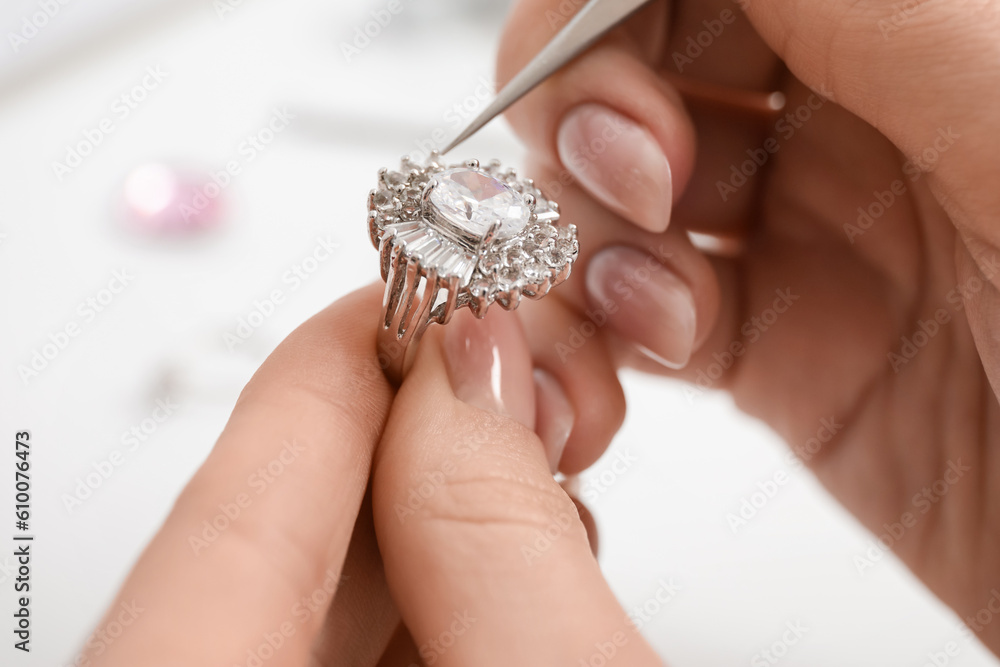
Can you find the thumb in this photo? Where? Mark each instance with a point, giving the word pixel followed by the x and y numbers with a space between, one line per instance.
pixel 484 553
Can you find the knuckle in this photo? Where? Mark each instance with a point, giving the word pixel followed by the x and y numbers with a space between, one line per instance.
pixel 496 493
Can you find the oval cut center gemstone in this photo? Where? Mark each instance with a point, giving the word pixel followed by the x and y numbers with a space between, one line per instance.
pixel 467 202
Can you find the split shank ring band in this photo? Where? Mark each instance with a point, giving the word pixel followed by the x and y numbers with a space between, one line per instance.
pixel 451 236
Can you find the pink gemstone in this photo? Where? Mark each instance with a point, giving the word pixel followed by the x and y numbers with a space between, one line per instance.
pixel 162 200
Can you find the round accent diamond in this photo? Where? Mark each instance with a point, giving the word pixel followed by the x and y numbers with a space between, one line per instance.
pixel 468 202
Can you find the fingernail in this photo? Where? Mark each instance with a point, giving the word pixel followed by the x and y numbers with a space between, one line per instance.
pixel 647 304
pixel 554 416
pixel 619 162
pixel 489 365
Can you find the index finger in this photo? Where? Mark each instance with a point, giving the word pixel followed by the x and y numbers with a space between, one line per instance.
pixel 265 523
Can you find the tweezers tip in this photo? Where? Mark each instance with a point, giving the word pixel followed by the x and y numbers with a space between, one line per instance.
pixel 455 142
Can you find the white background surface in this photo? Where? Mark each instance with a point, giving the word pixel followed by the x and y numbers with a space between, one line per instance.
pixel 663 517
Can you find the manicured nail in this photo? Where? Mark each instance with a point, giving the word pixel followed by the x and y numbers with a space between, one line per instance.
pixel 554 416
pixel 489 365
pixel 619 162
pixel 647 303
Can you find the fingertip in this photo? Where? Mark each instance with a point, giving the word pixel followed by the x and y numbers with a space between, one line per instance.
pixel 554 417
pixel 571 349
pixel 602 399
pixel 619 162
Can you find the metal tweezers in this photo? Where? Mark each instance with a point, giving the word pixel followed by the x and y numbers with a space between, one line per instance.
pixel 593 21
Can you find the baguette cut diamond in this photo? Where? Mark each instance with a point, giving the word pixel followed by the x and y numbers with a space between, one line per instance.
pixel 467 202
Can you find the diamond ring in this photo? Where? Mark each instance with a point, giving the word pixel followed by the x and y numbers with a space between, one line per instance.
pixel 451 236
